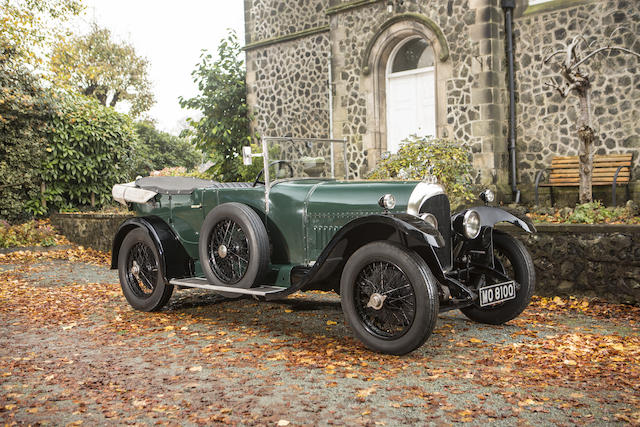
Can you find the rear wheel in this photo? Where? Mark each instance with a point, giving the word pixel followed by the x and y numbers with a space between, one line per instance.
pixel 389 298
pixel 234 247
pixel 513 260
pixel 141 278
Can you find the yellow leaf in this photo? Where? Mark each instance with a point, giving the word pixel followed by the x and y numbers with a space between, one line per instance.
pixel 365 392
pixel 288 311
pixel 475 340
pixel 331 322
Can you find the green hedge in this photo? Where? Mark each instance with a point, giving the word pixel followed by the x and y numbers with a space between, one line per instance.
pixel 91 148
pixel 26 110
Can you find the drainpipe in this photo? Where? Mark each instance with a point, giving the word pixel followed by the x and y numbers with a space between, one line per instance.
pixel 507 7
pixel 333 170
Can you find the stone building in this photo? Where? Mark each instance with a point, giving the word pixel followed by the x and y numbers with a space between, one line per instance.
pixel 397 67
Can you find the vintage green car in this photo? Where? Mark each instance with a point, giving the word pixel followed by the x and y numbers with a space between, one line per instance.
pixel 391 249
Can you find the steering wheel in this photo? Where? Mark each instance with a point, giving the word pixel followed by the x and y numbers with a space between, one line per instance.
pixel 275 162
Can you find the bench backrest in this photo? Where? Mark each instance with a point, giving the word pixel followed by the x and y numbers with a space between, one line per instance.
pixel 565 170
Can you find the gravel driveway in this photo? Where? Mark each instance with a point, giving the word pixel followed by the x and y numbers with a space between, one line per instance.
pixel 73 351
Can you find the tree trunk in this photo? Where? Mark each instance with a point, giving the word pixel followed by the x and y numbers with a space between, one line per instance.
pixel 115 99
pixel 587 138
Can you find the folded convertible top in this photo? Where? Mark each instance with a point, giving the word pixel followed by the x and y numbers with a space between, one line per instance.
pixel 173 184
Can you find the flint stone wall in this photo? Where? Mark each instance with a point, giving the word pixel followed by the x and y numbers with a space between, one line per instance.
pixel 90 230
pixel 600 261
pixel 547 122
pixel 289 44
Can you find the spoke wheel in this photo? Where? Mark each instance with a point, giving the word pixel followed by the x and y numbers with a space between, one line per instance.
pixel 513 260
pixel 229 251
pixel 141 276
pixel 233 247
pixel 142 270
pixel 385 300
pixel 389 297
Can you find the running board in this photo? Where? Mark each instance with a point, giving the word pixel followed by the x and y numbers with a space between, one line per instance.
pixel 197 282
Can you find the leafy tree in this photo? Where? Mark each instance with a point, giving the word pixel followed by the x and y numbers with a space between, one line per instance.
pixel 225 123
pixel 91 148
pixel 448 161
pixel 25 112
pixel 158 150
pixel 30 26
pixel 99 67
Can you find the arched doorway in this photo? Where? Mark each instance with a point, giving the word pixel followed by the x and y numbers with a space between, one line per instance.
pixel 410 91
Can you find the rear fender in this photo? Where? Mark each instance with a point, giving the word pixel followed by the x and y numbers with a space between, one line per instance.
pixel 174 261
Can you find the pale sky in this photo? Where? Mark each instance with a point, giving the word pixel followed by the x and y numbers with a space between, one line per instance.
pixel 171 35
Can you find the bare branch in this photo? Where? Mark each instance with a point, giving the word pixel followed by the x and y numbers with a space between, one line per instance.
pixel 615 30
pixel 551 55
pixel 602 49
pixel 563 91
pixel 571 53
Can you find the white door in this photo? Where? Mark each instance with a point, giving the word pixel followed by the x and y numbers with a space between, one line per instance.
pixel 411 106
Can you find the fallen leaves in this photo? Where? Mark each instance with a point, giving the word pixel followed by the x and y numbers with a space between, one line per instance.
pixel 259 350
pixel 365 392
pixel 76 253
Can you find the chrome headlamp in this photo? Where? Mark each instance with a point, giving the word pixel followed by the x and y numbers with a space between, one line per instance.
pixel 487 196
pixel 430 219
pixel 471 224
pixel 387 201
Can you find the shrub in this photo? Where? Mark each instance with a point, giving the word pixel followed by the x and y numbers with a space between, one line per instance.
pixel 589 213
pixel 91 148
pixel 158 150
pixel 32 233
pixel 25 112
pixel 449 161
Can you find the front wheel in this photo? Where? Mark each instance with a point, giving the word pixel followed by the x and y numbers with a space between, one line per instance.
pixel 141 277
pixel 513 260
pixel 389 298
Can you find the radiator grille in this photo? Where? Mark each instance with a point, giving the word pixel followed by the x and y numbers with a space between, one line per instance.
pixel 439 206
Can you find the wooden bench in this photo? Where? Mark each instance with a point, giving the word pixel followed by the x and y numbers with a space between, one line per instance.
pixel 612 169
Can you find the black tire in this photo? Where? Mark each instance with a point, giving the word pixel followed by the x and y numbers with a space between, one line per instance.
pixel 518 265
pixel 375 326
pixel 140 272
pixel 245 259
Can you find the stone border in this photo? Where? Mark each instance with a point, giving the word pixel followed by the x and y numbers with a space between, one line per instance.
pixel 348 6
pixel 595 261
pixel 92 230
pixel 553 5
pixel 287 37
pixel 577 228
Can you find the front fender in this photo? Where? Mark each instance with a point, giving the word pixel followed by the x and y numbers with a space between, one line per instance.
pixel 490 216
pixel 407 230
pixel 174 260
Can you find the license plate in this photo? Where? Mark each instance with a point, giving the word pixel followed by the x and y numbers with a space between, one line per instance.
pixel 500 292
